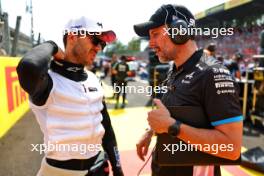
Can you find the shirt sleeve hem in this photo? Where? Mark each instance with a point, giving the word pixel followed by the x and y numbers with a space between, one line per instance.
pixel 228 120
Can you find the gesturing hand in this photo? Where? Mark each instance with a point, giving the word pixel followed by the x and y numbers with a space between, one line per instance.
pixel 143 145
pixel 160 119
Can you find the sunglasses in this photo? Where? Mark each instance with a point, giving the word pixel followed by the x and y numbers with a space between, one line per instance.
pixel 96 41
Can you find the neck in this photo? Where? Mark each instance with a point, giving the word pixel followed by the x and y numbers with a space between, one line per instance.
pixel 184 52
pixel 75 72
pixel 212 54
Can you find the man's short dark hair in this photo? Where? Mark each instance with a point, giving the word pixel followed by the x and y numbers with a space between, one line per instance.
pixel 211 47
pixel 123 58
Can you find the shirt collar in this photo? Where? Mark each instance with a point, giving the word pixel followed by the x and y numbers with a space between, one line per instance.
pixel 195 57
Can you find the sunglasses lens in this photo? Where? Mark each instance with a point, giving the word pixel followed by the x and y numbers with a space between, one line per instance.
pixel 96 41
pixel 103 44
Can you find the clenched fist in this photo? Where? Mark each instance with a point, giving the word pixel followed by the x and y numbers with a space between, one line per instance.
pixel 159 119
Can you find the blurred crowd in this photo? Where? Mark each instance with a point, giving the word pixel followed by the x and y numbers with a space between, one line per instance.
pixel 244 40
pixel 235 51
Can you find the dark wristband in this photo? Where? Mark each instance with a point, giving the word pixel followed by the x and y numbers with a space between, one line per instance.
pixel 174 129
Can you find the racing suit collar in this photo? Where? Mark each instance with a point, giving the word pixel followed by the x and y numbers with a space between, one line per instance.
pixel 69 70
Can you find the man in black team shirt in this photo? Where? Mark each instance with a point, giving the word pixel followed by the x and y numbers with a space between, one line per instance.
pixel 67 101
pixel 122 72
pixel 194 81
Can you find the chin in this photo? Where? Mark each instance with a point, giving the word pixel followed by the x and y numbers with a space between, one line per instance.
pixel 163 60
pixel 89 61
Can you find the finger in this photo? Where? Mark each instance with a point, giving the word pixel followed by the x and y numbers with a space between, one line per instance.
pixel 150 124
pixel 145 150
pixel 139 152
pixel 159 104
pixel 149 115
pixel 152 114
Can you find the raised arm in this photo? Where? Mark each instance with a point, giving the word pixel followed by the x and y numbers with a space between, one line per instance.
pixel 32 72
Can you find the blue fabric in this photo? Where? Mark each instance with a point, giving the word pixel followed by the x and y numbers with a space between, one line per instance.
pixel 229 120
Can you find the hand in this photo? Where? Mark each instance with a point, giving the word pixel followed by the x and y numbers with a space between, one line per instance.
pixel 143 145
pixel 159 119
pixel 114 72
pixel 59 55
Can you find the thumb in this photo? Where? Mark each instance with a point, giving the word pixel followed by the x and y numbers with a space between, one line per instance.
pixel 159 104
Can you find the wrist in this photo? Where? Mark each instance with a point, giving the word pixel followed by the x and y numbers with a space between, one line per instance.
pixel 149 132
pixel 170 123
pixel 174 129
